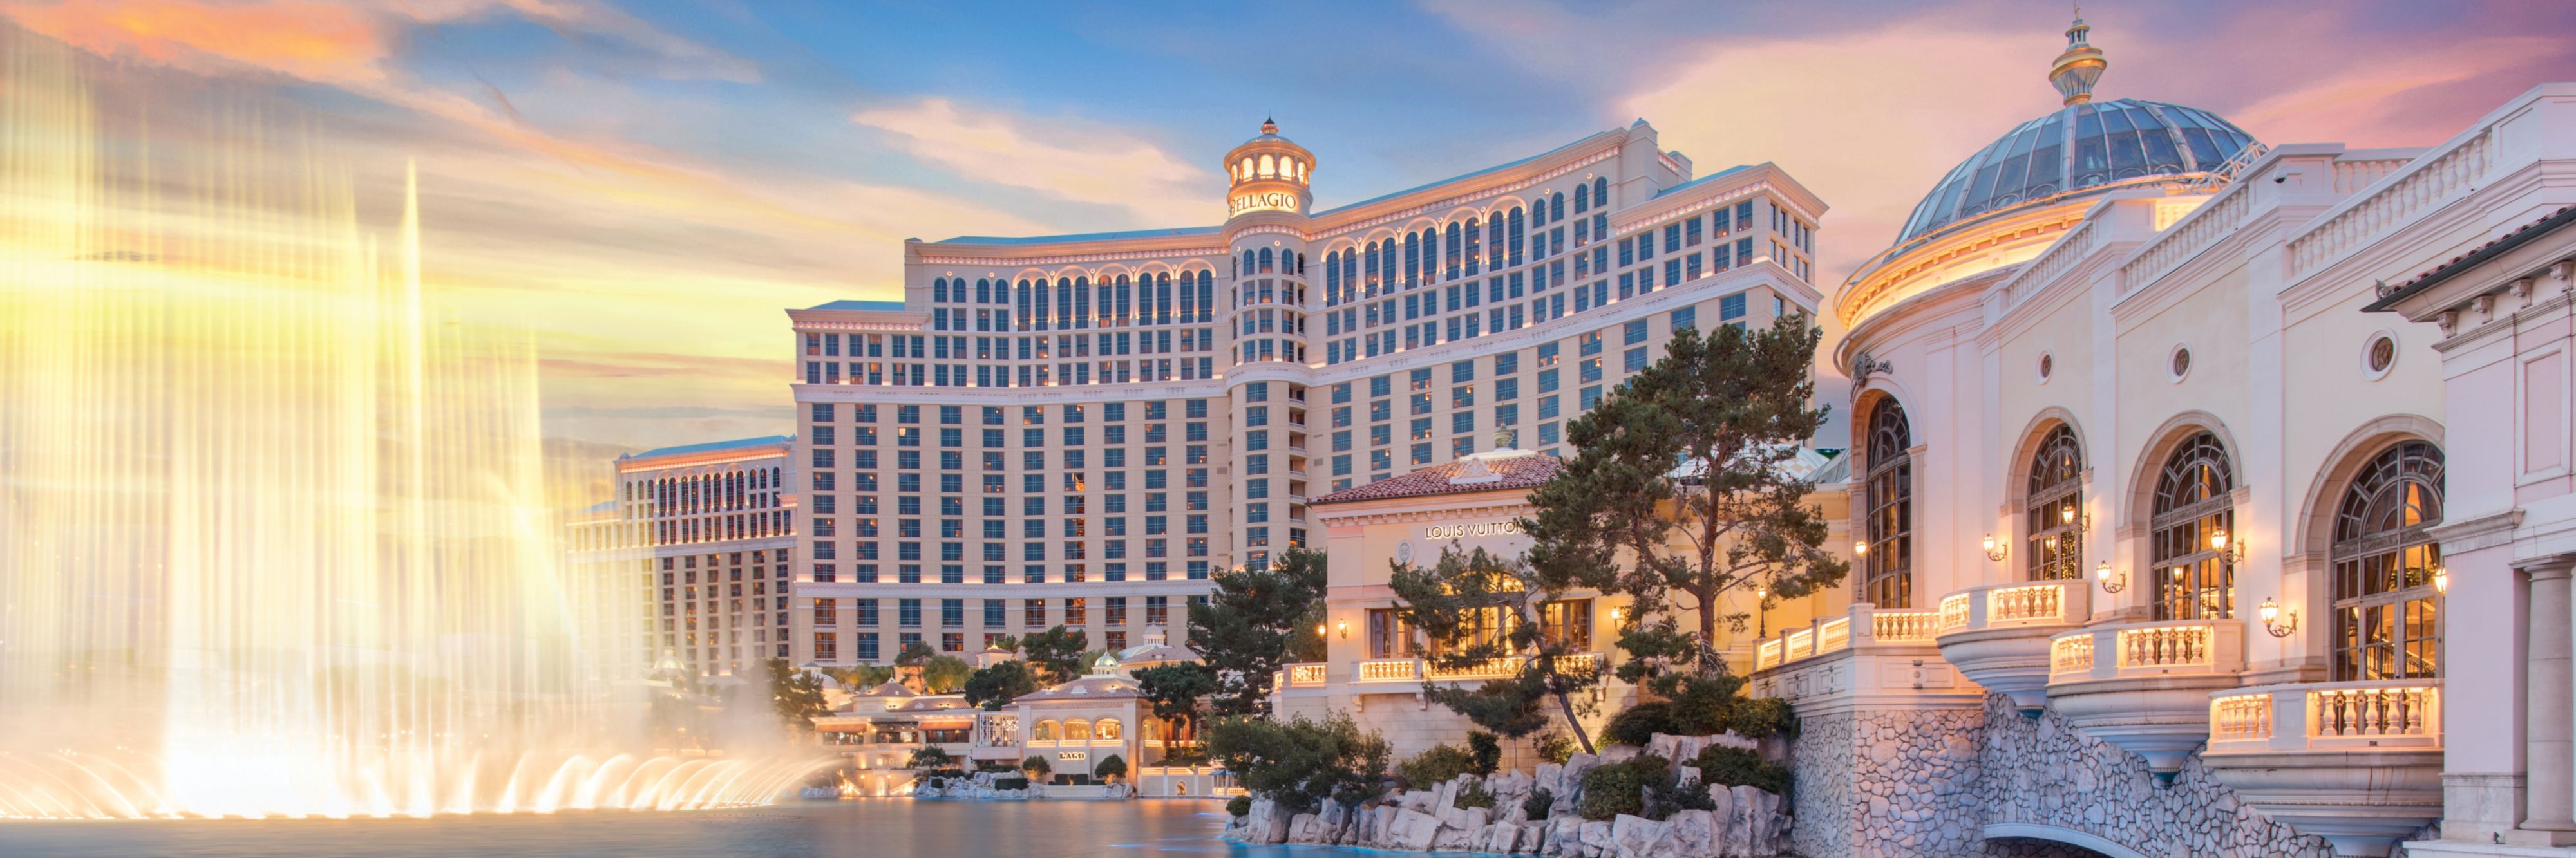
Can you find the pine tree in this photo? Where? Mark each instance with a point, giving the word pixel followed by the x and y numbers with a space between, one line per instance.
pixel 1682 469
pixel 1256 621
pixel 1482 609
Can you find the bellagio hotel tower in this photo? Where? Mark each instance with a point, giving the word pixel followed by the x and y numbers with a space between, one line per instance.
pixel 1079 430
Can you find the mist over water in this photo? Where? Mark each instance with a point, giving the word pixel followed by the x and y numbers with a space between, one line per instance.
pixel 274 536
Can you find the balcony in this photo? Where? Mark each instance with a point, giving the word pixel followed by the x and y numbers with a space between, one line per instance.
pixel 2145 687
pixel 1998 635
pixel 2358 763
pixel 1302 675
pixel 1866 657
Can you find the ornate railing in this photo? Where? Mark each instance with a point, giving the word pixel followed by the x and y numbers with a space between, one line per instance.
pixel 2071 654
pixel 2330 716
pixel 2030 602
pixel 2018 604
pixel 1833 635
pixel 2405 195
pixel 1863 626
pixel 2149 649
pixel 1386 670
pixel 1904 626
pixel 1311 673
pixel 2238 717
pixel 1489 668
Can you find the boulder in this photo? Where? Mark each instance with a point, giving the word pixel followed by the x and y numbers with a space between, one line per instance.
pixel 1755 826
pixel 1265 823
pixel 1550 777
pixel 1632 836
pixel 1620 753
pixel 1689 833
pixel 1413 830
pixel 1419 801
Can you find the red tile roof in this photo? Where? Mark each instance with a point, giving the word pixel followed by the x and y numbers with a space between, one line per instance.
pixel 1525 471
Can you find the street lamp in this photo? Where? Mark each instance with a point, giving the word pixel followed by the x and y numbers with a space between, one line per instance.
pixel 2230 551
pixel 2110 583
pixel 2442 580
pixel 1996 551
pixel 1860 548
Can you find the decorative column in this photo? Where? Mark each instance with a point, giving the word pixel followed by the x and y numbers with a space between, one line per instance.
pixel 2549 798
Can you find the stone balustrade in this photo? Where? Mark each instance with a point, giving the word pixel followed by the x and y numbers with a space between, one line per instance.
pixel 2335 716
pixel 2358 763
pixel 2146 687
pixel 1387 670
pixel 1303 674
pixel 2149 649
pixel 1999 635
pixel 1864 625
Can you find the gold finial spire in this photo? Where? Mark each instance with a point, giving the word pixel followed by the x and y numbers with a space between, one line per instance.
pixel 2079 66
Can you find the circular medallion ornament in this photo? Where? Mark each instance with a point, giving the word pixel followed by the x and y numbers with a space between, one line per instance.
pixel 1404 552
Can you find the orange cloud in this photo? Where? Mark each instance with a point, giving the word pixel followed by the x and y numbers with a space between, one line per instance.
pixel 313 41
pixel 1082 163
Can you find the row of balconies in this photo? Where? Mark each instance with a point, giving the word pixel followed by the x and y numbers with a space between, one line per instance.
pixel 2358 763
pixel 1403 670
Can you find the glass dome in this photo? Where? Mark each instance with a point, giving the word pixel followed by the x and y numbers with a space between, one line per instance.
pixel 2084 147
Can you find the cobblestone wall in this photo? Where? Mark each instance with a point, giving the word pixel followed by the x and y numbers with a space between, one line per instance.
pixel 1896 783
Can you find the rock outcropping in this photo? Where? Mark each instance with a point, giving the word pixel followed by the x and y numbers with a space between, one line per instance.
pixel 1746 822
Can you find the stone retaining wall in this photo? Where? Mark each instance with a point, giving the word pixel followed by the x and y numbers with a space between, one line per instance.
pixel 1746 822
pixel 1926 782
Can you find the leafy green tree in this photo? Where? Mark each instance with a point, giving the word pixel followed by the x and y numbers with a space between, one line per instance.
pixel 1482 609
pixel 1682 466
pixel 996 686
pixel 1301 763
pixel 915 654
pixel 1176 691
pixel 856 677
pixel 797 696
pixel 1055 654
pixel 1110 767
pixel 1253 624
pixel 1037 767
pixel 929 757
pixel 945 674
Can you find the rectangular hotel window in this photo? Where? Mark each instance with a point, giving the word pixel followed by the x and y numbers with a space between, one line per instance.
pixel 1567 622
pixel 1389 636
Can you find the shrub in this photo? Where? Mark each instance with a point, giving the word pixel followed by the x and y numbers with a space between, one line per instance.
pixel 1010 783
pixel 1239 806
pixel 1762 718
pixel 1739 767
pixel 1639 724
pixel 1538 804
pixel 1475 795
pixel 1037 767
pixel 929 757
pixel 1112 766
pixel 1485 750
pixel 1554 747
pixel 1669 794
pixel 1620 787
pixel 996 767
pixel 1436 764
pixel 1299 762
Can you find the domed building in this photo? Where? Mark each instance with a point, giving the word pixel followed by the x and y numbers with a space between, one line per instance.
pixel 2231 473
pixel 2015 197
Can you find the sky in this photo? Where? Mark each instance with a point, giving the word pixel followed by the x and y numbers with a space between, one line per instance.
pixel 646 187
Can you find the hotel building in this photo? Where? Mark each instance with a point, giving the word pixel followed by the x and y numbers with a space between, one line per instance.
pixel 687 568
pixel 2233 480
pixel 1080 429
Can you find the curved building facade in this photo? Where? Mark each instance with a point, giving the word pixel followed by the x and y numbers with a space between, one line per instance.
pixel 1080 429
pixel 2144 450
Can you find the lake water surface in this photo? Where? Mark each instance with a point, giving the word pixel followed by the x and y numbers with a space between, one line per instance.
pixel 879 828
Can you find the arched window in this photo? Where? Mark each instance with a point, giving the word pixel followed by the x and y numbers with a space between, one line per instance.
pixel 1582 198
pixel 1556 207
pixel 1601 192
pixel 2192 502
pixel 1077 730
pixel 2387 615
pixel 1045 731
pixel 1265 261
pixel 1107 728
pixel 2055 507
pixel 1888 569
